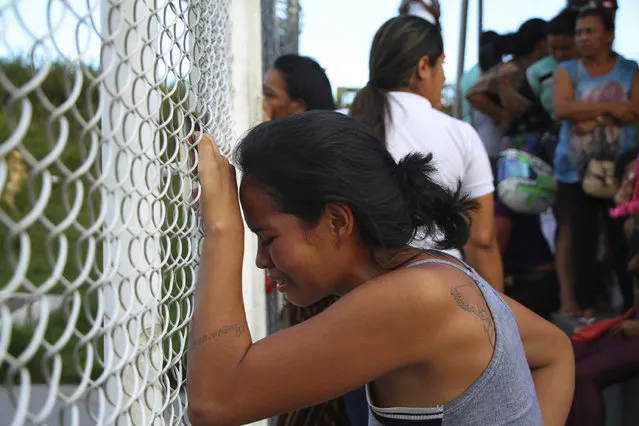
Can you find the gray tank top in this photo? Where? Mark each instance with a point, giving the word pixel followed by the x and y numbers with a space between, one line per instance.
pixel 503 395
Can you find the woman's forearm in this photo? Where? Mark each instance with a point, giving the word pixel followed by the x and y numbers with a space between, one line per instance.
pixel 219 336
pixel 515 104
pixel 486 260
pixel 554 385
pixel 581 111
pixel 482 103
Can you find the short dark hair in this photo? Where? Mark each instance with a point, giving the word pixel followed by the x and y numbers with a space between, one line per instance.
pixel 488 58
pixel 605 15
pixel 305 79
pixel 488 55
pixel 487 37
pixel 563 24
pixel 308 160
pixel 397 47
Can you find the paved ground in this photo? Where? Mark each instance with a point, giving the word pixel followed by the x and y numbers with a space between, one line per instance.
pixel 38 397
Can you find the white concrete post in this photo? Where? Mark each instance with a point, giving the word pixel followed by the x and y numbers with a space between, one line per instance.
pixel 247 111
pixel 461 58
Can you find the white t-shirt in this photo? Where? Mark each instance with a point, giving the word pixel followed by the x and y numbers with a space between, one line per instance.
pixel 458 152
pixel 490 133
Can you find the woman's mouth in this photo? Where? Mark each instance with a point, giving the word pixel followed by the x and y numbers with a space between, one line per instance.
pixel 279 282
pixel 281 285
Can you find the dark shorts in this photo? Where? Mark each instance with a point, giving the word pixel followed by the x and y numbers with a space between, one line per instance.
pixel 537 290
pixel 633 242
pixel 495 168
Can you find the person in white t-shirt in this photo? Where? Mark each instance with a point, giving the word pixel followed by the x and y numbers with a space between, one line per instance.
pixel 401 103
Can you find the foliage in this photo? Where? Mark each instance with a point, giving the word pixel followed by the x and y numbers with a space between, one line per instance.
pixel 48 237
pixel 45 242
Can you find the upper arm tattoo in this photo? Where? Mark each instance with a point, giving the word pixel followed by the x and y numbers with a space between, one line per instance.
pixel 228 330
pixel 479 309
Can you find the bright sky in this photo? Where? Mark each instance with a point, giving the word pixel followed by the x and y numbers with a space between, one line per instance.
pixel 338 33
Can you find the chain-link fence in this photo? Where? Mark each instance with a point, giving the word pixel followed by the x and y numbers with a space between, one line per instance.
pixel 98 201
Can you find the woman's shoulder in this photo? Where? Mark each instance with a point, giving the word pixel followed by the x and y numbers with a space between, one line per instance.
pixel 465 134
pixel 425 283
pixel 569 65
pixel 543 66
pixel 628 64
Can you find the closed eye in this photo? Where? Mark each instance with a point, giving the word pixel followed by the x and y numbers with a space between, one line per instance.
pixel 267 241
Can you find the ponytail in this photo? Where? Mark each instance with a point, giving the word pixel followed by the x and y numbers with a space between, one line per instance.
pixel 371 107
pixel 433 207
pixel 507 44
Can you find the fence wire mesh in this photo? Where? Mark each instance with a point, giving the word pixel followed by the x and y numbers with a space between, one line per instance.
pixel 98 202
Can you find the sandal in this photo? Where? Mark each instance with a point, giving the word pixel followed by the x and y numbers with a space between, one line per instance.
pixel 571 310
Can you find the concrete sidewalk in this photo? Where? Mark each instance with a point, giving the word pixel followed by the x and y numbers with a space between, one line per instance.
pixel 61 414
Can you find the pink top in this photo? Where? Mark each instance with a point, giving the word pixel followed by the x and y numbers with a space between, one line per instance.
pixel 632 206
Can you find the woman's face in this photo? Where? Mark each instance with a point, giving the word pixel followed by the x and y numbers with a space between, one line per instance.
pixel 562 47
pixel 591 36
pixel 276 98
pixel 432 79
pixel 541 50
pixel 305 261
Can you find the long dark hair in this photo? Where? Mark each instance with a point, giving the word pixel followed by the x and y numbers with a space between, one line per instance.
pixel 397 48
pixel 308 160
pixel 305 79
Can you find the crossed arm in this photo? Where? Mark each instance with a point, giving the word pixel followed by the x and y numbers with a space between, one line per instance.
pixel 585 115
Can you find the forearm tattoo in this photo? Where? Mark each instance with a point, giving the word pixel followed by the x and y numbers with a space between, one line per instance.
pixel 228 330
pixel 479 309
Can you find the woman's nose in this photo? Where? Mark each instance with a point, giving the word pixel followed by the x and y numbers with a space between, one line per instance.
pixel 263 258
pixel 267 111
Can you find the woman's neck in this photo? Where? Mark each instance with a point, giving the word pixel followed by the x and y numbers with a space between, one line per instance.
pixel 365 269
pixel 409 90
pixel 603 58
pixel 525 61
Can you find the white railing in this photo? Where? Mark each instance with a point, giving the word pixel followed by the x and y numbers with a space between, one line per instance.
pixel 99 228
